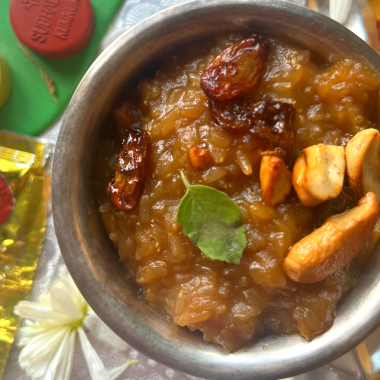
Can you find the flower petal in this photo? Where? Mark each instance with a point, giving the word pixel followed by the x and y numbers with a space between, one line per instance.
pixel 63 303
pixel 61 350
pixel 65 366
pixel 30 331
pixel 114 373
pixel 45 300
pixel 30 310
pixel 66 282
pixel 40 356
pixel 95 365
pixel 103 332
pixel 37 345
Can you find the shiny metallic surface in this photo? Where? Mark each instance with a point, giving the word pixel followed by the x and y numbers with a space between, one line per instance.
pixel 90 256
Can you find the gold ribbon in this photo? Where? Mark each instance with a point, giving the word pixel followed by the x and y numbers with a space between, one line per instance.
pixel 22 164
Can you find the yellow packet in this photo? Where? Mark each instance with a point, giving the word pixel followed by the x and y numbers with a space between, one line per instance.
pixel 24 189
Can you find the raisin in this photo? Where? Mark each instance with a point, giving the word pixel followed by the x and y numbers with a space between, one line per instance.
pixel 128 114
pixel 126 185
pixel 233 116
pixel 274 122
pixel 237 71
pixel 199 158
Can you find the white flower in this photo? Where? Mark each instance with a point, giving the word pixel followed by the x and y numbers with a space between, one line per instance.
pixel 49 341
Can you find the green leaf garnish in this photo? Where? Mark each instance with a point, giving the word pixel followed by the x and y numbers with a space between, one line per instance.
pixel 212 221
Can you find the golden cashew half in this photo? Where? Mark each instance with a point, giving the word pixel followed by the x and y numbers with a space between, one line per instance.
pixel 275 180
pixel 318 174
pixel 333 245
pixel 363 162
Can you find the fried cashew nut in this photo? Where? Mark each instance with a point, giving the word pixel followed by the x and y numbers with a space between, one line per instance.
pixel 275 178
pixel 199 158
pixel 318 174
pixel 363 162
pixel 332 246
pixel 299 170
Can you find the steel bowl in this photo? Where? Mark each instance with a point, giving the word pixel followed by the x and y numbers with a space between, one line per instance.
pixel 91 258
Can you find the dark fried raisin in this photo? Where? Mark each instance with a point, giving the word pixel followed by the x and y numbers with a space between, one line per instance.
pixel 126 185
pixel 274 122
pixel 128 114
pixel 237 71
pixel 233 116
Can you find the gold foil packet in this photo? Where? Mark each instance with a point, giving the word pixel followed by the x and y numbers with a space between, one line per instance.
pixel 24 190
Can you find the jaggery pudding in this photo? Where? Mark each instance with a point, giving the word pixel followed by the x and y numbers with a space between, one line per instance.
pixel 239 186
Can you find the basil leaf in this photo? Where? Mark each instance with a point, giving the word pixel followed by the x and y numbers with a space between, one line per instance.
pixel 212 221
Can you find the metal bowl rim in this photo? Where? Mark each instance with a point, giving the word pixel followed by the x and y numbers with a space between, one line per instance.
pixel 324 349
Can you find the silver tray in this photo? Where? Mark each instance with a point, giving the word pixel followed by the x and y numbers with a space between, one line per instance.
pixel 361 363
